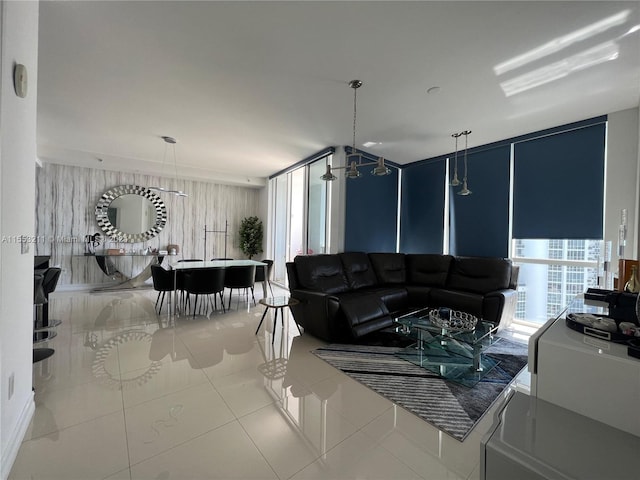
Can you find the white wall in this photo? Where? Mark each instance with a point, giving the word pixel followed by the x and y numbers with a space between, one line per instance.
pixel 621 187
pixel 19 44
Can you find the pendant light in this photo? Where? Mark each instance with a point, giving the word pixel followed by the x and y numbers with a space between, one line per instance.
pixel 455 182
pixel 328 176
pixel 380 168
pixel 354 158
pixel 170 141
pixel 465 189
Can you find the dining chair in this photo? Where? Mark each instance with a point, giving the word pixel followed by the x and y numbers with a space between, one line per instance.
pixel 184 296
pixel 260 275
pixel 163 281
pixel 240 277
pixel 205 281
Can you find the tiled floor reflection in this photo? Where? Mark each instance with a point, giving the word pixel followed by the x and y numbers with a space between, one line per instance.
pixel 130 394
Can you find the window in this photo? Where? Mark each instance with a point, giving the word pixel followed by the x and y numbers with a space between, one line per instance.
pixel 552 272
pixel 299 216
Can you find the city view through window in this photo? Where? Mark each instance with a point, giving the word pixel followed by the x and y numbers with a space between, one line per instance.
pixel 552 272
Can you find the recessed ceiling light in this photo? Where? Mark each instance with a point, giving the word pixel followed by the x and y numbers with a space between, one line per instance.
pixel 433 90
pixel 370 144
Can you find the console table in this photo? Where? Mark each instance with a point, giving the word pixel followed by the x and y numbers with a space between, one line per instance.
pixel 106 263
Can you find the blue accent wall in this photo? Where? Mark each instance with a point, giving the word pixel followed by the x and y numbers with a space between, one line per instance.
pixel 422 207
pixel 479 223
pixel 371 216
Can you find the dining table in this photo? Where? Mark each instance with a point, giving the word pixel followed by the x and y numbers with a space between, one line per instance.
pixel 185 266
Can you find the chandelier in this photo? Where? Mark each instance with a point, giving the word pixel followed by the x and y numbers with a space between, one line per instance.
pixel 354 159
pixel 169 141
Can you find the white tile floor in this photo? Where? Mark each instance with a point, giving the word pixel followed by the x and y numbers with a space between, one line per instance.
pixel 131 395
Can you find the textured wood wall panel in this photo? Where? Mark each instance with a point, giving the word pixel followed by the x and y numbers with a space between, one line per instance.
pixel 66 198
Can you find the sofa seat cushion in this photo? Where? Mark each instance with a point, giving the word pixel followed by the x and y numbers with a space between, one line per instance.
pixel 358 270
pixel 479 274
pixel 395 298
pixel 428 269
pixel 389 267
pixel 321 273
pixel 457 300
pixel 365 313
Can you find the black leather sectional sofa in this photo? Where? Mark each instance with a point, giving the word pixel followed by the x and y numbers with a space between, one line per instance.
pixel 345 296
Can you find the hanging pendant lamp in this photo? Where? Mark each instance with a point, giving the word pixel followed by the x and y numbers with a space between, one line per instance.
pixel 170 141
pixel 455 182
pixel 465 188
pixel 328 176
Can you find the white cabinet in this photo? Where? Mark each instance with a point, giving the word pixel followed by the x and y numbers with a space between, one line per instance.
pixel 582 419
pixel 533 439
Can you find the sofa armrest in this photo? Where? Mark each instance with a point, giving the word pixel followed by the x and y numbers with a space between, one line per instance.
pixel 315 313
pixel 508 298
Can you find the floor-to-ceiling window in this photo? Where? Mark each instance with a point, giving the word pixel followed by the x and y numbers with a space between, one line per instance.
pixel 299 218
pixel 537 198
pixel 279 190
pixel 557 230
pixel 317 208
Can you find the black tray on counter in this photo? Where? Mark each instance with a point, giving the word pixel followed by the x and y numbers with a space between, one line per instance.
pixel 615 337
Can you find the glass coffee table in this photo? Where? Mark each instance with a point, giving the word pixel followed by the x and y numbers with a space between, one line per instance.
pixel 454 353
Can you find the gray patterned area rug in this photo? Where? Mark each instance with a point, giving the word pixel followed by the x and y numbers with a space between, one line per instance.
pixel 453 408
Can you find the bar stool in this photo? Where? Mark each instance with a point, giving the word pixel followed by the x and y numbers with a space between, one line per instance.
pixel 39 299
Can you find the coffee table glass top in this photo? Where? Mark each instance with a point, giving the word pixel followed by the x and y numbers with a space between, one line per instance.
pixel 453 354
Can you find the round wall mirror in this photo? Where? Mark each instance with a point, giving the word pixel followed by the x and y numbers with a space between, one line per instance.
pixel 130 213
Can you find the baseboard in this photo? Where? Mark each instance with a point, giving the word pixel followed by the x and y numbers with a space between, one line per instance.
pixel 15 439
pixel 91 287
pixel 78 287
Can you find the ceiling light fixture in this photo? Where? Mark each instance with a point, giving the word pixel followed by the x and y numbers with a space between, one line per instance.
pixel 169 141
pixel 455 182
pixel 464 191
pixel 354 158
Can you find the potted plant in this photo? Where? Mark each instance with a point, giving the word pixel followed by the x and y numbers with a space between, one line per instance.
pixel 251 236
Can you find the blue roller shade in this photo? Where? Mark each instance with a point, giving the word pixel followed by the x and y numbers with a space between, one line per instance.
pixel 559 185
pixel 479 223
pixel 371 216
pixel 422 215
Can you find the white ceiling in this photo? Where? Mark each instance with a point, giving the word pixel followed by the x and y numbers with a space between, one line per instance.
pixel 250 88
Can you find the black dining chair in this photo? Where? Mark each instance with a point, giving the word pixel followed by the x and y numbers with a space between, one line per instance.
pixel 184 297
pixel 260 276
pixel 163 281
pixel 240 277
pixel 205 281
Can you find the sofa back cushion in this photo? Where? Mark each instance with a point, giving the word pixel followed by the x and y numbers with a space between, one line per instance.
pixel 389 267
pixel 428 269
pixel 358 269
pixel 321 273
pixel 479 274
